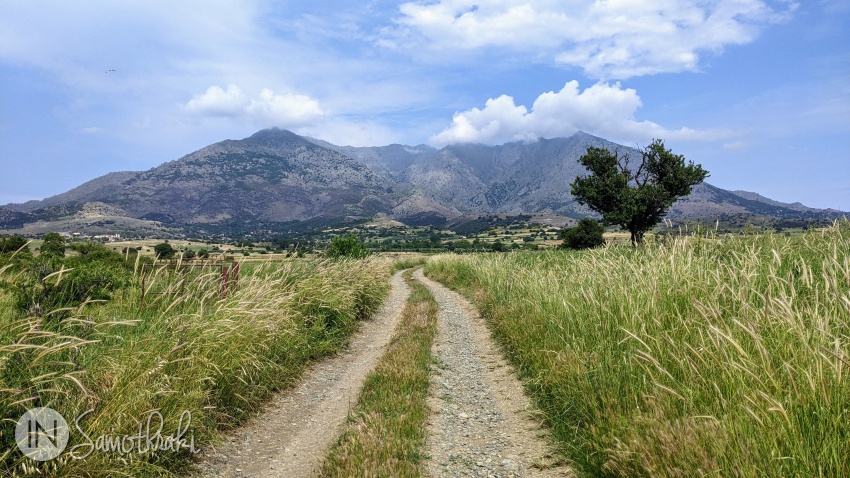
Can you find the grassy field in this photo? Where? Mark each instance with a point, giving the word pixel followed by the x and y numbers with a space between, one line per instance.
pixel 194 352
pixel 698 357
pixel 386 430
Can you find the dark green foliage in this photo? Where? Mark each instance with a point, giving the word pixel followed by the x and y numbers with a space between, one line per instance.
pixel 635 198
pixel 53 246
pixel 586 235
pixel 348 245
pixel 11 244
pixel 49 283
pixel 164 250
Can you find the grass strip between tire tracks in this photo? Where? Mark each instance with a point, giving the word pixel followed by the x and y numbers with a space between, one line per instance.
pixel 386 430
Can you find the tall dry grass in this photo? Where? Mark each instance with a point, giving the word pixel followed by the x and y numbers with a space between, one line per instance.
pixel 702 356
pixel 216 358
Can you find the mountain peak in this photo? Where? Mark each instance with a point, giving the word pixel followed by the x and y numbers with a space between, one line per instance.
pixel 275 137
pixel 276 176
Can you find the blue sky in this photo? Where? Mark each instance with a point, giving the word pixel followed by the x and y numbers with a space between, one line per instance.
pixel 757 91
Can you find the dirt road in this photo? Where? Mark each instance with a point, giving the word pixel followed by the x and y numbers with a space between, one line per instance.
pixel 292 435
pixel 480 422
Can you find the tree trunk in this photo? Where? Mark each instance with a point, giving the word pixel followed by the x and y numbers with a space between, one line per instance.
pixel 637 237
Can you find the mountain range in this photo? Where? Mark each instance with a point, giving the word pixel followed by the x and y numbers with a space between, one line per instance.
pixel 278 177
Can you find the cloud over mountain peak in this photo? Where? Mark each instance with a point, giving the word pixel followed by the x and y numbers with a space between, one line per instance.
pixel 602 109
pixel 286 109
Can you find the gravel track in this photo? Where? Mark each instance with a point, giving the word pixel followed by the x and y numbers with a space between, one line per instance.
pixel 292 435
pixel 480 422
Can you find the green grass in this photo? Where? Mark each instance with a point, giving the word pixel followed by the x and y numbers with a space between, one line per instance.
pixel 217 358
pixel 699 357
pixel 408 262
pixel 386 431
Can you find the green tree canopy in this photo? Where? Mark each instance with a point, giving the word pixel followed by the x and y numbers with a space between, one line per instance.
pixel 11 244
pixel 635 195
pixel 164 250
pixel 587 234
pixel 348 245
pixel 53 246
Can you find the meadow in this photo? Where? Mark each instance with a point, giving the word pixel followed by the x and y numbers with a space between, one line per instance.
pixel 689 356
pixel 694 356
pixel 114 362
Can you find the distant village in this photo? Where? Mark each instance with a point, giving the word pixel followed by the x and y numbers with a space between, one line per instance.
pixel 98 237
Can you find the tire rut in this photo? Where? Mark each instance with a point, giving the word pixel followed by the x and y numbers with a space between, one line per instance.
pixel 294 432
pixel 480 422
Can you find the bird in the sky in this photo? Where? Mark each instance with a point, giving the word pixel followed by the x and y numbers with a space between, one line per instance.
pixel 111 69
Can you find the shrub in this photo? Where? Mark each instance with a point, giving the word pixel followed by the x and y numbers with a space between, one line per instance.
pixel 49 283
pixel 53 246
pixel 164 250
pixel 11 244
pixel 348 245
pixel 586 235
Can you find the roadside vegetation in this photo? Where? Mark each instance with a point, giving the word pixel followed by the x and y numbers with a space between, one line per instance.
pixel 385 434
pixel 112 359
pixel 692 356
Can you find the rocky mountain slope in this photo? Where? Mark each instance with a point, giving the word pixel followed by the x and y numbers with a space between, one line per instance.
pixel 272 176
pixel 276 176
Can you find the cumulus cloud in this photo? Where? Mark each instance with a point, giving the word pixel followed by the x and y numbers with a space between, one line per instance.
pixel 219 102
pixel 609 39
pixel 267 108
pixel 603 109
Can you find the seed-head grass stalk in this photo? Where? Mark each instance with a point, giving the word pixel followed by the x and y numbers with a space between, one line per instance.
pixel 217 358
pixel 699 356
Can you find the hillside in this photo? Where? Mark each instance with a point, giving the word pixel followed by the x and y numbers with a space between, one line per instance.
pixel 272 176
pixel 276 177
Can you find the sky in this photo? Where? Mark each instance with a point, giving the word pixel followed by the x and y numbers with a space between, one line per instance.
pixel 756 91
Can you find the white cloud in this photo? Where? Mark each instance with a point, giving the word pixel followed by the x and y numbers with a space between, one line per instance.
pixel 607 38
pixel 299 113
pixel 268 108
pixel 92 130
pixel 219 102
pixel 603 109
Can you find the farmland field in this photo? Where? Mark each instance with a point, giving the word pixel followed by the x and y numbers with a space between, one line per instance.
pixel 699 356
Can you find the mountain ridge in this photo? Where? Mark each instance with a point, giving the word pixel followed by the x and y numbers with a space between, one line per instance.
pixel 276 176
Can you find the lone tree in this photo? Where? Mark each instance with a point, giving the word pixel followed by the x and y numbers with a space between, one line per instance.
pixel 53 245
pixel 635 196
pixel 586 235
pixel 348 245
pixel 164 250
